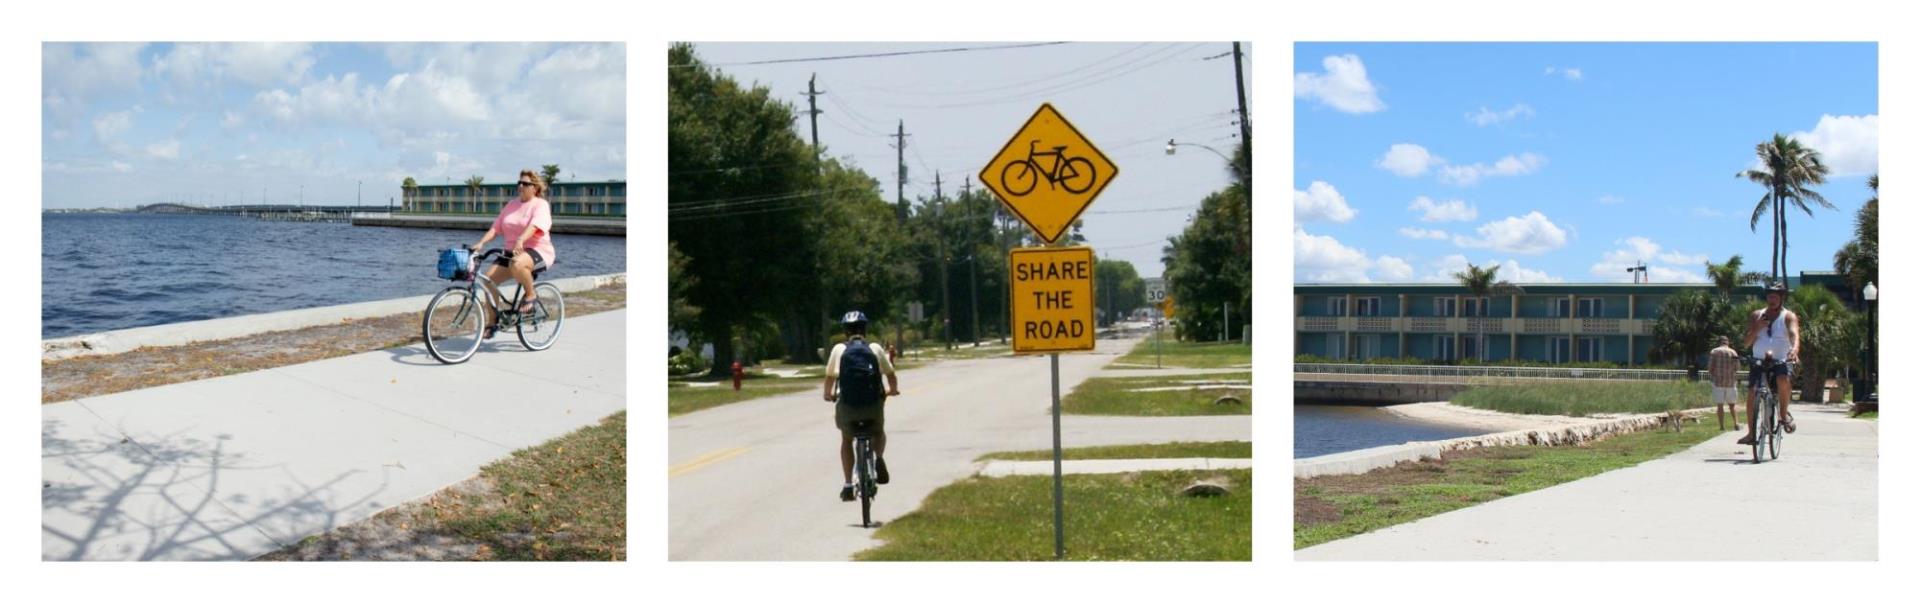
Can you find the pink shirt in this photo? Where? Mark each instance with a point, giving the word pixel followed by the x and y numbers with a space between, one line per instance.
pixel 517 217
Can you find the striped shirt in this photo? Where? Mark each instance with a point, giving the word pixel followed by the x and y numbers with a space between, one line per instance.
pixel 1722 364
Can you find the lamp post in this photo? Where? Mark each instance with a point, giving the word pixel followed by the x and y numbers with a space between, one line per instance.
pixel 1171 145
pixel 1872 296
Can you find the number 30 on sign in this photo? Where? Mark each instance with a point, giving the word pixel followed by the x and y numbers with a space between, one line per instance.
pixel 1052 299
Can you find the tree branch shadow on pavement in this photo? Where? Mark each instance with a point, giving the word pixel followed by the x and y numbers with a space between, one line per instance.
pixel 150 497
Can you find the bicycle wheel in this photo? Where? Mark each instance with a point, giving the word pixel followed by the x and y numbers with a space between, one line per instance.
pixel 452 325
pixel 1762 427
pixel 1777 436
pixel 1079 175
pixel 539 329
pixel 864 468
pixel 1019 178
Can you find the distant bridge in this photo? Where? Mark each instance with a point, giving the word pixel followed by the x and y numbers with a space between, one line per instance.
pixel 252 210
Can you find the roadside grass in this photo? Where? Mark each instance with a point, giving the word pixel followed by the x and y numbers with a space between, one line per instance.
pixel 1580 399
pixel 1872 415
pixel 562 500
pixel 1112 396
pixel 683 398
pixel 1188 354
pixel 1332 507
pixel 965 350
pixel 1174 450
pixel 1129 516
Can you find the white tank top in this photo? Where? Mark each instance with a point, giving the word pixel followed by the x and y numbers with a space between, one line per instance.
pixel 1773 338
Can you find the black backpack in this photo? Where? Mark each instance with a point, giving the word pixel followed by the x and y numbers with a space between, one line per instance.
pixel 859 374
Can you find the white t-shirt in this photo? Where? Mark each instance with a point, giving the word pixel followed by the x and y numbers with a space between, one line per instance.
pixel 1778 341
pixel 833 359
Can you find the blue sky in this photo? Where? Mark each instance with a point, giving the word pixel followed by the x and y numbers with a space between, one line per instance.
pixel 1566 162
pixel 130 124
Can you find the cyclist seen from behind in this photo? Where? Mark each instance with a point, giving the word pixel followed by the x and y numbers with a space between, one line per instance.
pixel 1773 330
pixel 856 367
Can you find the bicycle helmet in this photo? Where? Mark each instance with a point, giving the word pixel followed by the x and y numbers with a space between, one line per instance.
pixel 1779 287
pixel 854 322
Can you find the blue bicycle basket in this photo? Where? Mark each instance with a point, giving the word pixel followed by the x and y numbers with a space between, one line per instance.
pixel 453 264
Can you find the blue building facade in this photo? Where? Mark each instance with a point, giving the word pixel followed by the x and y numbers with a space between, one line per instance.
pixel 606 198
pixel 1547 322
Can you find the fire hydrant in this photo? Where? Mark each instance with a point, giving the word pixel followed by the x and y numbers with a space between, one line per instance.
pixel 737 374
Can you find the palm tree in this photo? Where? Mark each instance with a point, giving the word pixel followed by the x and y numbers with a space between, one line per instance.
pixel 1727 276
pixel 473 189
pixel 1788 170
pixel 551 172
pixel 1689 325
pixel 1828 342
pixel 1859 259
pixel 1482 282
pixel 407 189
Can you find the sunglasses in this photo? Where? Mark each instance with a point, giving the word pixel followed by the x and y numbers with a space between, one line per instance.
pixel 526 184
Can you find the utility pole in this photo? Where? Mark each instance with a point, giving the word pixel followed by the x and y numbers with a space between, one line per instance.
pixel 973 266
pixel 813 114
pixel 1006 249
pixel 1246 128
pixel 900 146
pixel 939 228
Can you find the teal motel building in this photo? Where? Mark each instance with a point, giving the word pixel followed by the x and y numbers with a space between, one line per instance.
pixel 1546 322
pixel 596 199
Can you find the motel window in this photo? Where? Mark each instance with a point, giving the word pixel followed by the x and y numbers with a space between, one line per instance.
pixel 1589 349
pixel 1336 346
pixel 1443 306
pixel 1443 348
pixel 1336 306
pixel 1366 306
pixel 1366 346
pixel 1560 351
pixel 1470 347
pixel 1471 306
pixel 1562 307
pixel 1592 307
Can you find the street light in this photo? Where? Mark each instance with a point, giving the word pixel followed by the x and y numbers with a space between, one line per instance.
pixel 1872 295
pixel 1171 146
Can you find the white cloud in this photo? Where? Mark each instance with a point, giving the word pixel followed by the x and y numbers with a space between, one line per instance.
pixel 1443 269
pixel 71 75
pixel 108 126
pixel 232 120
pixel 1488 117
pixel 1324 259
pixel 1320 202
pixel 1708 212
pixel 122 166
pixel 1611 200
pixel 1667 266
pixel 1571 73
pixel 1392 268
pixel 1511 165
pixel 1452 210
pixel 1344 86
pixel 1849 144
pixel 1421 233
pixel 1408 160
pixel 169 149
pixel 1529 234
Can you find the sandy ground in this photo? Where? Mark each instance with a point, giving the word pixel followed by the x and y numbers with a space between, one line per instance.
pixel 1474 418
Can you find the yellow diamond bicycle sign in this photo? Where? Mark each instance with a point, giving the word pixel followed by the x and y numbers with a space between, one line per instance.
pixel 1048 173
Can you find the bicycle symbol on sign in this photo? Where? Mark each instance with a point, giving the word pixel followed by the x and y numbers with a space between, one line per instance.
pixel 1076 174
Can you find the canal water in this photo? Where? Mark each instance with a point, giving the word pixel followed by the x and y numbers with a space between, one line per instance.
pixel 1321 429
pixel 101 272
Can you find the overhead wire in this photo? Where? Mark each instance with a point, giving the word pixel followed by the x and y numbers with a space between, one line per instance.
pixel 876 55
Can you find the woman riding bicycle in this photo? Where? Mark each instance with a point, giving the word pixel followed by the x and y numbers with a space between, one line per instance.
pixel 525 223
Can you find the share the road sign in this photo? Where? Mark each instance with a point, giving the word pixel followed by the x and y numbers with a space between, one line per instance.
pixel 1052 299
pixel 1048 173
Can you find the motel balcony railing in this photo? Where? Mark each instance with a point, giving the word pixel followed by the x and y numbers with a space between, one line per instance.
pixel 1474 324
pixel 1494 373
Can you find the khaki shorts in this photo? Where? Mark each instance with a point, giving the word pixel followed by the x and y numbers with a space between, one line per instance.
pixel 845 415
pixel 1726 395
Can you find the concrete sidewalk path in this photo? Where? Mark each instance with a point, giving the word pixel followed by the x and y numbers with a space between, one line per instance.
pixel 238 466
pixel 1006 468
pixel 1817 502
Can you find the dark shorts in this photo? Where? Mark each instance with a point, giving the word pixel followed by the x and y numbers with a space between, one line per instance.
pixel 539 263
pixel 845 415
pixel 1780 369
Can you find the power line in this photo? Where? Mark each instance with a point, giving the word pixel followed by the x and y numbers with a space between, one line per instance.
pixel 1081 69
pixel 876 55
pixel 1092 79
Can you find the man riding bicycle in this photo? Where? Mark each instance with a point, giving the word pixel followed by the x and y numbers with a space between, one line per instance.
pixel 856 367
pixel 1773 331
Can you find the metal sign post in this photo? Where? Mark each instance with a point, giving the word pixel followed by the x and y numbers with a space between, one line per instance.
pixel 1059 495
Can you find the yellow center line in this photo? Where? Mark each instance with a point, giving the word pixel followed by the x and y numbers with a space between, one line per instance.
pixel 703 461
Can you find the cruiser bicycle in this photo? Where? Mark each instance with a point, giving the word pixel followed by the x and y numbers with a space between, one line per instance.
pixel 453 326
pixel 1767 432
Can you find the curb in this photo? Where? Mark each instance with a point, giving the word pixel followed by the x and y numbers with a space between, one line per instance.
pixel 183 333
pixel 1001 468
pixel 1364 460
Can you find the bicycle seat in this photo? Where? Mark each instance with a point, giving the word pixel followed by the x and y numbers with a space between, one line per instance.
pixel 863 428
pixel 1060 148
